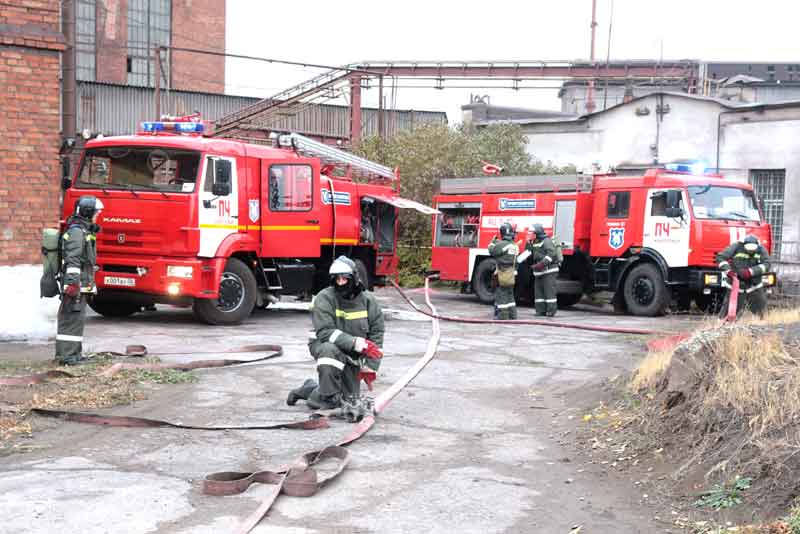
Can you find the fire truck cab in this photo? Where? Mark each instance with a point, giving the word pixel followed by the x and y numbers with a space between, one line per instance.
pixel 225 226
pixel 649 240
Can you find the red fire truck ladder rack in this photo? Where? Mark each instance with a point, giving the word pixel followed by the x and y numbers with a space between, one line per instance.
pixel 357 166
pixel 517 184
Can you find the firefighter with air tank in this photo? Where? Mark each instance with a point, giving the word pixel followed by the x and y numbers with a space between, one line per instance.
pixel 505 251
pixel 747 260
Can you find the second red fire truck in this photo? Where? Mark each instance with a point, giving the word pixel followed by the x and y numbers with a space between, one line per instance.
pixel 225 226
pixel 650 239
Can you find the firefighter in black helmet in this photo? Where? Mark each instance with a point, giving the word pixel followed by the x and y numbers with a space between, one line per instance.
pixel 545 271
pixel 79 255
pixel 505 251
pixel 749 261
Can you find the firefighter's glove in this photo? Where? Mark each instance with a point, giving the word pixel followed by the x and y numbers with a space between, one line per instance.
pixel 746 274
pixel 72 290
pixel 539 267
pixel 368 348
pixel 730 274
pixel 368 376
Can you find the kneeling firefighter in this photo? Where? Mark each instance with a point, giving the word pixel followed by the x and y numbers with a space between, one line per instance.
pixel 545 272
pixel 79 255
pixel 505 251
pixel 346 342
pixel 749 261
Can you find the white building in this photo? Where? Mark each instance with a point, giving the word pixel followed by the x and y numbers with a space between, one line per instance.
pixel 759 143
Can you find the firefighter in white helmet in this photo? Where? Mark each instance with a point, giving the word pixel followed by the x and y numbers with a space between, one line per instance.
pixel 346 341
pixel 79 256
pixel 749 261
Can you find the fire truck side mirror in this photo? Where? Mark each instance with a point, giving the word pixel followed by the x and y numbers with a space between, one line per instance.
pixel 66 182
pixel 222 178
pixel 673 204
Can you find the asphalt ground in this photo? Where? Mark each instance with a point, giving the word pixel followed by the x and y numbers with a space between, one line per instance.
pixel 469 446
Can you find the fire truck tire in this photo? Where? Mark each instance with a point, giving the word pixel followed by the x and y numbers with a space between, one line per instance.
pixel 113 308
pixel 566 300
pixel 363 274
pixel 482 281
pixel 237 296
pixel 645 292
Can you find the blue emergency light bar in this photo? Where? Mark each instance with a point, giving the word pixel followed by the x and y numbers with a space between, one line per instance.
pixel 179 127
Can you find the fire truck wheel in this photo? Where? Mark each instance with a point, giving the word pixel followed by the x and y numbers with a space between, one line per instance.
pixel 482 281
pixel 237 296
pixel 645 291
pixel 363 274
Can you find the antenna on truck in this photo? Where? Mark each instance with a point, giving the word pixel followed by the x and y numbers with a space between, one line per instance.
pixel 333 156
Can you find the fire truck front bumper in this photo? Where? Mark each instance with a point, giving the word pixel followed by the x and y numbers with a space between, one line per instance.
pixel 173 279
pixel 708 281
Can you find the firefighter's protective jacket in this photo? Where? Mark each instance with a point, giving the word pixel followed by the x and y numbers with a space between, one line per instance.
pixel 543 251
pixel 79 253
pixel 737 258
pixel 504 252
pixel 340 321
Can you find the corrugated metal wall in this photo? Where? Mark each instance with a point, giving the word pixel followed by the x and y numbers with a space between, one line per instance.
pixel 118 110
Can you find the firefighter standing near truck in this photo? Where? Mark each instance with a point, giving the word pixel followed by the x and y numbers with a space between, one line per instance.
pixel 79 255
pixel 545 271
pixel 346 341
pixel 749 261
pixel 505 251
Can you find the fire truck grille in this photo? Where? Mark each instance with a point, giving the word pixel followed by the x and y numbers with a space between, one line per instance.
pixel 128 269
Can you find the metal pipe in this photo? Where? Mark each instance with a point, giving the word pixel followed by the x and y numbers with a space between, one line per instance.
pixel 590 92
pixel 157 92
pixel 68 103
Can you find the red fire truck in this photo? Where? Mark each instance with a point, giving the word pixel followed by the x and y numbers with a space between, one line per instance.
pixel 226 226
pixel 651 240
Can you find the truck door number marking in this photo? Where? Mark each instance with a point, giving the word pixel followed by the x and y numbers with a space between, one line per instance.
pixel 224 208
pixel 662 229
pixel 737 234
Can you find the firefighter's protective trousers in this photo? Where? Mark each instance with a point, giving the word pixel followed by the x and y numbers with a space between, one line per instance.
pixel 543 252
pixel 338 321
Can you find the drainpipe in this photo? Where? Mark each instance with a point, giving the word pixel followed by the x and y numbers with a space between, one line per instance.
pixel 719 133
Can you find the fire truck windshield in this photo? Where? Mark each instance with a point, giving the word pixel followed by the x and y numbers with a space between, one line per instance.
pixel 713 202
pixel 139 168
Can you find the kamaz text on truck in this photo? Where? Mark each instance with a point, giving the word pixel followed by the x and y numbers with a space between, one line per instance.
pixel 225 226
pixel 650 240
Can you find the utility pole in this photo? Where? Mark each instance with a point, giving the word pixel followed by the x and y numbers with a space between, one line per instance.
pixel 68 117
pixel 381 132
pixel 590 91
pixel 157 92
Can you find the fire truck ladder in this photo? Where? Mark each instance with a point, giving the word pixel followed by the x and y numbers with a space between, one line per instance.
pixel 357 166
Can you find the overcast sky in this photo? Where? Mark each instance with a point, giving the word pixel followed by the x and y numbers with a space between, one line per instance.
pixel 337 33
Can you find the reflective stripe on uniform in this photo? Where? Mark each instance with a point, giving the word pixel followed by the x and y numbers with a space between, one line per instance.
pixel 90 237
pixel 548 259
pixel 513 248
pixel 551 300
pixel 334 335
pixel 539 300
pixel 724 265
pixel 332 362
pixel 761 267
pixel 64 337
pixel 537 245
pixel 548 271
pixel 504 306
pixel 73 270
pixel 746 255
pixel 751 289
pixel 352 315
pixel 312 335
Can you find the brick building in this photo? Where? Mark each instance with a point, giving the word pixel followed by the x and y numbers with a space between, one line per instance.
pixel 115 40
pixel 30 47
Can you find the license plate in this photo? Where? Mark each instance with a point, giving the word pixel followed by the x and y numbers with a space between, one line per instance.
pixel 119 281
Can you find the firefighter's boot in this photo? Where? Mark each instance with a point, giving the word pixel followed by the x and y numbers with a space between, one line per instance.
pixel 302 392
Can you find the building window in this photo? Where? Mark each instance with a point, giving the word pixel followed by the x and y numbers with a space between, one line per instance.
pixel 149 24
pixel 770 68
pixel 769 187
pixel 290 188
pixel 85 40
pixel 618 204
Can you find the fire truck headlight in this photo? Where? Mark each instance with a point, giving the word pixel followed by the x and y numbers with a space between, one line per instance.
pixel 179 271
pixel 174 289
pixel 770 279
pixel 711 279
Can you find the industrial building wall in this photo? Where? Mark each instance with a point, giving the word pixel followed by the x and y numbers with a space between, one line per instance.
pixel 632 133
pixel 30 44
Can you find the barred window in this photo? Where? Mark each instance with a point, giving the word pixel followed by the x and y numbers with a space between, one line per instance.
pixel 149 24
pixel 85 40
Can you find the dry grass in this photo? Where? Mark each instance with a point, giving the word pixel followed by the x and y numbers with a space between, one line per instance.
pixel 775 316
pixel 650 370
pixel 758 378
